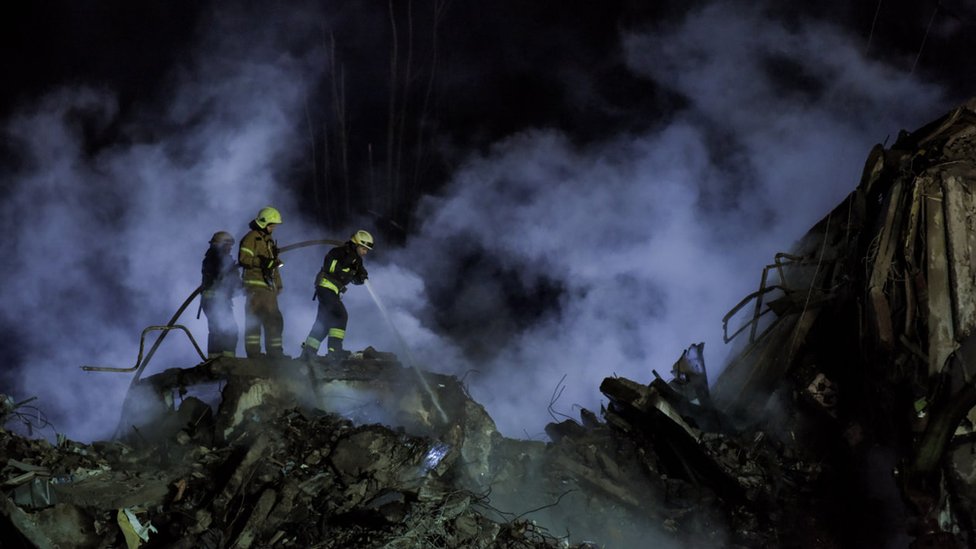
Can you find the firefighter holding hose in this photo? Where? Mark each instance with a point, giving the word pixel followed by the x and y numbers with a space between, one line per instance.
pixel 258 256
pixel 342 265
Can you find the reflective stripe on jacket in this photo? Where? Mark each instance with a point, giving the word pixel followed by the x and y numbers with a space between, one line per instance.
pixel 341 266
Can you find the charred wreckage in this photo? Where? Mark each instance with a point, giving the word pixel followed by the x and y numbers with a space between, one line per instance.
pixel 846 418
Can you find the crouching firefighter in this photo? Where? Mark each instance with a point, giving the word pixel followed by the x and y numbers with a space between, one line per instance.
pixel 258 255
pixel 342 265
pixel 219 286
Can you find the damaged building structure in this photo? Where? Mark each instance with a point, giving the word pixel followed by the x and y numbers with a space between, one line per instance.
pixel 845 418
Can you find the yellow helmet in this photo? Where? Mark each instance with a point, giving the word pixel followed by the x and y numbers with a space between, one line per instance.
pixel 362 238
pixel 222 237
pixel 266 216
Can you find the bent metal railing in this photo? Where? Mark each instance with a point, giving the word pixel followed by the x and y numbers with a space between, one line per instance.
pixel 142 342
pixel 780 261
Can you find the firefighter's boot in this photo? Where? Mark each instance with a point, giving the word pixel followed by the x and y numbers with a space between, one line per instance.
pixel 277 352
pixel 308 353
pixel 337 355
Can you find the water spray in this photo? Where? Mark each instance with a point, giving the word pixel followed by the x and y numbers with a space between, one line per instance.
pixel 406 351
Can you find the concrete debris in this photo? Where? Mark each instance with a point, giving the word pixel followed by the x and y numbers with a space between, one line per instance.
pixel 301 479
pixel 270 457
pixel 249 453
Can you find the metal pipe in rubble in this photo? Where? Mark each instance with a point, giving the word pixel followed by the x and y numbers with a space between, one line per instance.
pixel 142 345
pixel 141 364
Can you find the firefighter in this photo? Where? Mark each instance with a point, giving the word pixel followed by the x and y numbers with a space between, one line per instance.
pixel 343 264
pixel 258 255
pixel 220 284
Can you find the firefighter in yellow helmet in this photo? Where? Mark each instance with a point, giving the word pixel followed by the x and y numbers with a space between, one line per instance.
pixel 220 284
pixel 342 265
pixel 258 255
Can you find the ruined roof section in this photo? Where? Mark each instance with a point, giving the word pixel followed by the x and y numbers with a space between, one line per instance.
pixel 872 317
pixel 900 244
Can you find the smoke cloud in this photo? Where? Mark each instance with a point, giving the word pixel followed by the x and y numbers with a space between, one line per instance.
pixel 542 258
pixel 651 238
pixel 109 241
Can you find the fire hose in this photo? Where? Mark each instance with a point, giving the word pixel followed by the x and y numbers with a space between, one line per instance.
pixel 141 361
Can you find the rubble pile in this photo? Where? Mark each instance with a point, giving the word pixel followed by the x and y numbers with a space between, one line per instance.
pixel 763 486
pixel 267 465
pixel 287 479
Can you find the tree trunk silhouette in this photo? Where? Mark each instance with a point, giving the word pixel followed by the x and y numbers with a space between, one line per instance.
pixel 391 124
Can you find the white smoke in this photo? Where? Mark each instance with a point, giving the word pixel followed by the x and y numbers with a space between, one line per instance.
pixel 111 242
pixel 654 237
pixel 650 237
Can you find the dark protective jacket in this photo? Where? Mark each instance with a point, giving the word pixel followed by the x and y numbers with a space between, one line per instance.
pixel 219 280
pixel 341 266
pixel 258 256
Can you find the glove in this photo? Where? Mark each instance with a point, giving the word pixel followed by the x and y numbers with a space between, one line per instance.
pixel 361 275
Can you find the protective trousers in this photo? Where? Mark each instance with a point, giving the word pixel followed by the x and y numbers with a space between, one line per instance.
pixel 261 311
pixel 222 336
pixel 330 321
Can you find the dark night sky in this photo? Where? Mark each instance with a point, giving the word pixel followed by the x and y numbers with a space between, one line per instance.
pixel 504 64
pixel 576 188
